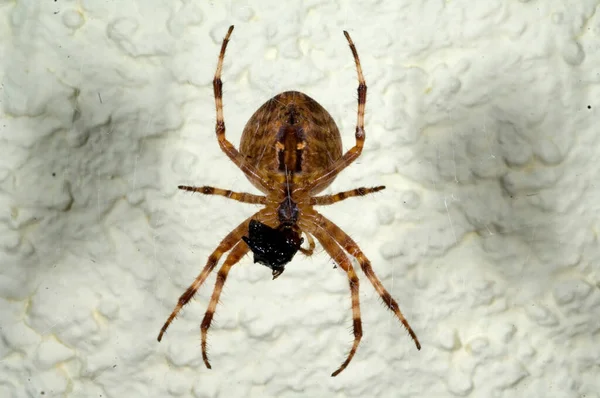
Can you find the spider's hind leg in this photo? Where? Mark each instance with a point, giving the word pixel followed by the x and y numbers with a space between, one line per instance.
pixel 234 155
pixel 353 153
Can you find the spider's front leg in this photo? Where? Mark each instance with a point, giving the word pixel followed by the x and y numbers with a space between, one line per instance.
pixel 352 248
pixel 236 254
pixel 233 258
pixel 226 244
pixel 337 254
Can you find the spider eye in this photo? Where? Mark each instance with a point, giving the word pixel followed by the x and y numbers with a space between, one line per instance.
pixel 272 247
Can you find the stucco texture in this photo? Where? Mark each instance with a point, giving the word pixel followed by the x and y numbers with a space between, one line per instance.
pixel 482 121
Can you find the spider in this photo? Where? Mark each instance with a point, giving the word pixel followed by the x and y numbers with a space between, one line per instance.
pixel 290 150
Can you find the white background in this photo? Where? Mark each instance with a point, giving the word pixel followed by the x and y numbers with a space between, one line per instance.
pixel 482 121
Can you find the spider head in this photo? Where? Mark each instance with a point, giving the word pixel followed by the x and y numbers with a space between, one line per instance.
pixel 272 247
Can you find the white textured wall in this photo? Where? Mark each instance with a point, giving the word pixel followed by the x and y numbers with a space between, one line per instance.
pixel 482 120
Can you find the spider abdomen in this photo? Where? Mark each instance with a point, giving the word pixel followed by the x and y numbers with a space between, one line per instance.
pixel 291 133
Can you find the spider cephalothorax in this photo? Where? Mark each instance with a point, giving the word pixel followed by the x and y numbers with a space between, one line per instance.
pixel 290 150
pixel 275 247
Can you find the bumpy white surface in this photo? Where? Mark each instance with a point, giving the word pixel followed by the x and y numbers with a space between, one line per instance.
pixel 482 120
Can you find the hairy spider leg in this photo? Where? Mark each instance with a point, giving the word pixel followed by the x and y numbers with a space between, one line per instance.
pixel 338 197
pixel 354 152
pixel 226 244
pixel 352 248
pixel 340 258
pixel 243 197
pixel 240 161
pixel 236 254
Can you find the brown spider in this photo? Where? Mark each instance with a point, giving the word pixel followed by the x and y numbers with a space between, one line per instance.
pixel 290 150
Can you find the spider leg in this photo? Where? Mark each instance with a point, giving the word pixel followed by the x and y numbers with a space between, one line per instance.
pixel 338 255
pixel 352 248
pixel 226 244
pixel 354 152
pixel 238 196
pixel 239 250
pixel 226 146
pixel 338 197
pixel 311 246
